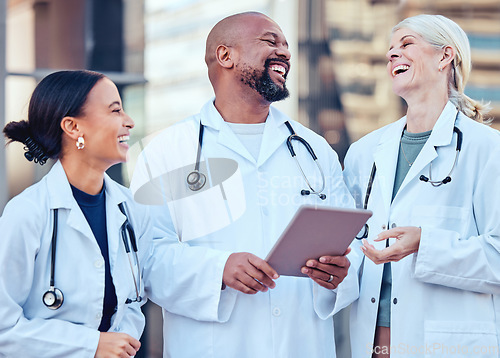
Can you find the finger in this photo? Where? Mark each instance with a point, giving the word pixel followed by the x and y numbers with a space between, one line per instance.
pixel 242 287
pixel 131 351
pixel 325 270
pixel 387 234
pixel 323 277
pixel 264 267
pixel 251 277
pixel 237 282
pixel 372 254
pixel 260 276
pixel 136 344
pixel 316 273
pixel 385 255
pixel 323 283
pixel 340 261
pixel 367 244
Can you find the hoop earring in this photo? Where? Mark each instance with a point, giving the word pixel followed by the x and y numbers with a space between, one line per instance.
pixel 80 142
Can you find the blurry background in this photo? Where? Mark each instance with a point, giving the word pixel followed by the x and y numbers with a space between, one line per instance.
pixel 154 50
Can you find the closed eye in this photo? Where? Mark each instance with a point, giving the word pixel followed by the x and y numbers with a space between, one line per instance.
pixel 118 110
pixel 272 42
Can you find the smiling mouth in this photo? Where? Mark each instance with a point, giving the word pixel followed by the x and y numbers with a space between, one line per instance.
pixel 123 139
pixel 399 70
pixel 281 70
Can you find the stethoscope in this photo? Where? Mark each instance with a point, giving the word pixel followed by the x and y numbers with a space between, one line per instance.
pixel 54 297
pixel 196 180
pixel 422 178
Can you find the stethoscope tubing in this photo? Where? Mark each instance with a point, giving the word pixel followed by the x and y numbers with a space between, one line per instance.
pixel 196 180
pixel 422 178
pixel 125 229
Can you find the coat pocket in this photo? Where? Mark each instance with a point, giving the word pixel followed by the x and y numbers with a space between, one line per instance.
pixel 440 216
pixel 461 339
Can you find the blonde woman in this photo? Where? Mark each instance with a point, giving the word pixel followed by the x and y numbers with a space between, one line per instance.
pixel 427 266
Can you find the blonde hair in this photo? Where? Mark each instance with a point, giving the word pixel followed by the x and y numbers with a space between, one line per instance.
pixel 440 31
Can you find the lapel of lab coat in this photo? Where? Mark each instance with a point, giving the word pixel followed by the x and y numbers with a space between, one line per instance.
pixel 442 135
pixel 61 196
pixel 275 133
pixel 114 222
pixel 211 118
pixel 386 157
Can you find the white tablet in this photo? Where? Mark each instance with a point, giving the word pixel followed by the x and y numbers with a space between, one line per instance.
pixel 314 232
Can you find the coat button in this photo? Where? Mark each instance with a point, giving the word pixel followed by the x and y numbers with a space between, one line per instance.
pixel 98 263
pixel 395 301
pixel 373 299
pixel 383 227
pixel 393 225
pixel 276 311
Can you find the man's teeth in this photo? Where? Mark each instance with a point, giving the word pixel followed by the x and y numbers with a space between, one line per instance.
pixel 280 69
pixel 399 69
pixel 123 138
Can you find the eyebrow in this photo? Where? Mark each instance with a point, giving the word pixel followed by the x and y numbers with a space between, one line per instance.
pixel 112 104
pixel 402 39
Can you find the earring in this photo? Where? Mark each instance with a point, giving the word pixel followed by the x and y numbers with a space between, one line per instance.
pixel 440 69
pixel 80 142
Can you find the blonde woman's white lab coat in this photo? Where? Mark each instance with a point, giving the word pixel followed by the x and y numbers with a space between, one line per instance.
pixel 244 208
pixel 27 327
pixel 445 299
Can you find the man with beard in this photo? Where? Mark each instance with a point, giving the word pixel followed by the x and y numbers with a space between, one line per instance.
pixel 231 205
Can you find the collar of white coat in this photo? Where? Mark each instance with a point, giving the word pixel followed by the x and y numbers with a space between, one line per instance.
pixel 386 153
pixel 61 196
pixel 275 132
pixel 442 132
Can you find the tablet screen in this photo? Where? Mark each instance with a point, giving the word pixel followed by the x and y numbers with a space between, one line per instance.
pixel 314 232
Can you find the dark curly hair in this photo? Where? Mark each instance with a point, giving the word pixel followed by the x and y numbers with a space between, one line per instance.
pixel 58 95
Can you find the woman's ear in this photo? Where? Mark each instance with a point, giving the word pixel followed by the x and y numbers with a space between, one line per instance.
pixel 69 125
pixel 224 57
pixel 448 56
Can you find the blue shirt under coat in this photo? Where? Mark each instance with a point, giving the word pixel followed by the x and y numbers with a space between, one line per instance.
pixel 94 210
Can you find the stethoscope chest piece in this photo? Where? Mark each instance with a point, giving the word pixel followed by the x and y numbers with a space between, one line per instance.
pixel 196 180
pixel 53 298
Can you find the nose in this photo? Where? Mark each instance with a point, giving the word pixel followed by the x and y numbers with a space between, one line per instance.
pixel 282 51
pixel 128 122
pixel 392 54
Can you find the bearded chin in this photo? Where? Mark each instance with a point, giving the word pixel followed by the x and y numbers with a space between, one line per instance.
pixel 270 90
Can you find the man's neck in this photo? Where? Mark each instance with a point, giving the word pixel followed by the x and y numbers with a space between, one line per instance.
pixel 242 110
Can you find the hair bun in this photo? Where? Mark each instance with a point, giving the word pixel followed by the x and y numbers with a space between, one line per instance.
pixel 34 152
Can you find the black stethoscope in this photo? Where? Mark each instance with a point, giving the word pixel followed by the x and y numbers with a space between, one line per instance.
pixel 422 178
pixel 54 297
pixel 196 180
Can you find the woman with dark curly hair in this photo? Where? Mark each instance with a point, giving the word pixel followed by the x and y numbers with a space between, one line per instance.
pixel 71 262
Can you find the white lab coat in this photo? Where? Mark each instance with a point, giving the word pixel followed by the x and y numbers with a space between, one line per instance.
pixel 27 327
pixel 254 203
pixel 445 299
